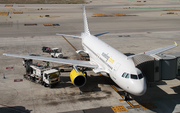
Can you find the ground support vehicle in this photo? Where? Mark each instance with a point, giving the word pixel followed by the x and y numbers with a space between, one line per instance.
pixel 41 74
pixel 46 49
pixel 56 53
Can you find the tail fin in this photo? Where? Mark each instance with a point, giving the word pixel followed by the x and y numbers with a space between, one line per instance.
pixel 86 29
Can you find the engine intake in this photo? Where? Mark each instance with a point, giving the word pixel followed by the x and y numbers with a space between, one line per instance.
pixel 78 78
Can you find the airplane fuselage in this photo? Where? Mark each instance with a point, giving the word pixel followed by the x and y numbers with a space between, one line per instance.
pixel 116 64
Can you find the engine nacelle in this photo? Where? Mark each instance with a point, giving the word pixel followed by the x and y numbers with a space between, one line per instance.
pixel 78 78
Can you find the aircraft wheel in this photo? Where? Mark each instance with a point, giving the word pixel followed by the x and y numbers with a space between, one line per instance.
pixel 31 79
pixel 60 56
pixel 25 76
pixel 126 96
pixel 44 84
pixel 50 85
pixel 62 70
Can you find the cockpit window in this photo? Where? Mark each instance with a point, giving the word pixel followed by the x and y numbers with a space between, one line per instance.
pixel 124 74
pixel 134 76
pixel 127 76
pixel 140 76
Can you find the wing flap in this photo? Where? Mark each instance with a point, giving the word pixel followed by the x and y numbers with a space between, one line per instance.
pixel 57 60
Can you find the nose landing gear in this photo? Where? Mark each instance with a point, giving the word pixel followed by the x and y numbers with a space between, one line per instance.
pixel 127 96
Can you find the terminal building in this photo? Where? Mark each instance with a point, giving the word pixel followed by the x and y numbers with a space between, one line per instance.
pixel 161 67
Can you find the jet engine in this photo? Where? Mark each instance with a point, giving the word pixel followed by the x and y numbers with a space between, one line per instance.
pixel 78 78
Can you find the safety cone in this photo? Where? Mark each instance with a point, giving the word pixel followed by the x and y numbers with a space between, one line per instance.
pixel 3 76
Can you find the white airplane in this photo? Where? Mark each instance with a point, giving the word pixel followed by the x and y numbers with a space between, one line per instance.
pixel 105 60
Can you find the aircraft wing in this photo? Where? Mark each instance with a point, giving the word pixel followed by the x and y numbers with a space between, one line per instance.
pixel 57 60
pixel 155 51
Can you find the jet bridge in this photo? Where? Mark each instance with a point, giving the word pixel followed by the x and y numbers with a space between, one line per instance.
pixel 161 67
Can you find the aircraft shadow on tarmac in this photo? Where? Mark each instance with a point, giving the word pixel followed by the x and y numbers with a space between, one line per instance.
pixel 14 109
pixel 91 83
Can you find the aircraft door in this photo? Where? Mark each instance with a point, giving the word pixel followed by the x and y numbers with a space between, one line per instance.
pixel 116 68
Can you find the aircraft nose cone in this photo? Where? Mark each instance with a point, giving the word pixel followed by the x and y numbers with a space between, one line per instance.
pixel 142 91
pixel 140 88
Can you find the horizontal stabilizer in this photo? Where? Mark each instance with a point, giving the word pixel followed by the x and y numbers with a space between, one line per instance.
pixel 68 35
pixel 100 34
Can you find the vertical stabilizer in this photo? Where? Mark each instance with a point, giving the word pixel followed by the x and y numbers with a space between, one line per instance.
pixel 86 29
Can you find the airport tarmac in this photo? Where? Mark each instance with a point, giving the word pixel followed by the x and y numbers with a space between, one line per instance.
pixel 129 34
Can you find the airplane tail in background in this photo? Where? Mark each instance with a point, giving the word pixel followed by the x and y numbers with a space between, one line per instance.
pixel 86 28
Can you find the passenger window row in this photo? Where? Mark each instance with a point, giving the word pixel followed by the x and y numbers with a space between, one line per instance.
pixel 132 76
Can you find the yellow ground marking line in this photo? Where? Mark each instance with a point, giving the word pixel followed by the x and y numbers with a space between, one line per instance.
pixel 21 17
pixel 99 14
pixel 118 109
pixel 22 9
pixel 132 106
pixel 4 13
pixel 8 5
pixel 118 14
pixel 18 12
pixel 51 24
pixel 48 24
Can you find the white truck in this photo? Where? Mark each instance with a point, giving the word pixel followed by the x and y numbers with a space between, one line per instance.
pixel 41 74
pixel 56 53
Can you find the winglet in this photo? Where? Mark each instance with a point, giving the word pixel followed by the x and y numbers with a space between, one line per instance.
pixel 175 43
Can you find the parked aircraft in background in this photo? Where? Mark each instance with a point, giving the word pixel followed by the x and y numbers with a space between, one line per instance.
pixel 104 59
